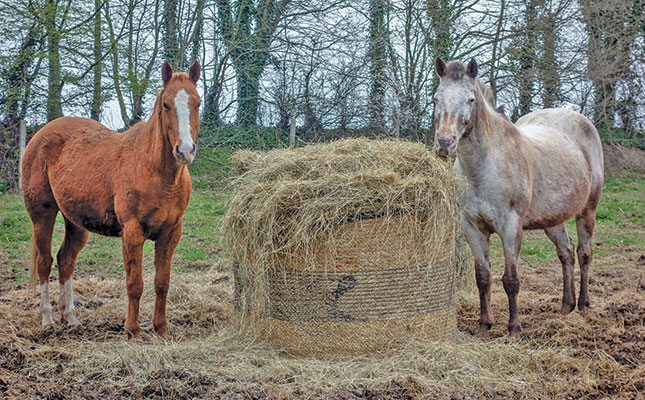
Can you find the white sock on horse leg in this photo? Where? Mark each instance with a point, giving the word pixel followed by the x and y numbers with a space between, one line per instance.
pixel 67 303
pixel 45 305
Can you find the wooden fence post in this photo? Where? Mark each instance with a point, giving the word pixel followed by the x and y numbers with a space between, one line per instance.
pixel 292 133
pixel 23 144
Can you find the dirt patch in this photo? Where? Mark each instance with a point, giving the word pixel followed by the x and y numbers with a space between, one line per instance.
pixel 623 161
pixel 9 278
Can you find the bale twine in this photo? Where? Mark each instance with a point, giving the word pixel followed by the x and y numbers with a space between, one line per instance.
pixel 344 248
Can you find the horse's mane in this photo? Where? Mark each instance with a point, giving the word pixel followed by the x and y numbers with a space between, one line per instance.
pixel 488 96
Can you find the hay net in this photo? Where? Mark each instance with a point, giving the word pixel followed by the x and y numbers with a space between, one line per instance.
pixel 290 202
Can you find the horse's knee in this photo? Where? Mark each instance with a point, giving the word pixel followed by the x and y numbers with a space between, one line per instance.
pixel 482 275
pixel 569 251
pixel 511 284
pixel 161 289
pixel 135 290
pixel 584 255
pixel 44 262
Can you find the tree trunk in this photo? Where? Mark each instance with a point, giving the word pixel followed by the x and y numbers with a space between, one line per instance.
pixel 248 95
pixel 492 79
pixel 248 29
pixel 19 79
pixel 526 59
pixel 377 59
pixel 171 45
pixel 55 84
pixel 97 101
pixel 547 64
pixel 440 12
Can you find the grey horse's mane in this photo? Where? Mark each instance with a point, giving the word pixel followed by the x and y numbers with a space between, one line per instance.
pixel 487 93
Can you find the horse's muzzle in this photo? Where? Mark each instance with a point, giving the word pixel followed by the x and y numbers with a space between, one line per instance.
pixel 445 146
pixel 185 157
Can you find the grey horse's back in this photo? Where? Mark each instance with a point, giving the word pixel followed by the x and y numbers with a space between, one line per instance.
pixel 578 129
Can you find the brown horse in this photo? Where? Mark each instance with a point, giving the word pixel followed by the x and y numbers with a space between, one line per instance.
pixel 133 184
pixel 536 174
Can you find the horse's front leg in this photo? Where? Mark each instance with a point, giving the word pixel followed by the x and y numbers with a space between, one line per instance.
pixel 164 249
pixel 511 234
pixel 133 239
pixel 480 246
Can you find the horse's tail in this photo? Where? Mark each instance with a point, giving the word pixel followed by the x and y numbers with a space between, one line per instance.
pixel 33 275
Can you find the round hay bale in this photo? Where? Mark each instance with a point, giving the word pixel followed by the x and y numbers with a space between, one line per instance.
pixel 344 248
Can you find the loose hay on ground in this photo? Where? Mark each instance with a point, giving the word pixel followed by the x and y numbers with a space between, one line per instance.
pixel 208 359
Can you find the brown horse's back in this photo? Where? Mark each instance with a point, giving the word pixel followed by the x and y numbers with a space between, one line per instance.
pixel 64 168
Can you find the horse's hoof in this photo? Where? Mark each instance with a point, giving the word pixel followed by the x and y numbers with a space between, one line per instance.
pixel 133 334
pixel 567 308
pixel 47 321
pixel 164 336
pixel 514 331
pixel 483 332
pixel 72 322
pixel 135 338
pixel 583 305
pixel 163 333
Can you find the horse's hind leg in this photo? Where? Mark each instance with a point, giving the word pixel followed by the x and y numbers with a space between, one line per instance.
pixel 43 217
pixel 75 239
pixel 564 247
pixel 585 223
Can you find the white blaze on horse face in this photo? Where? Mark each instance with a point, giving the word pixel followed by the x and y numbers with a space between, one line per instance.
pixel 186 146
pixel 45 305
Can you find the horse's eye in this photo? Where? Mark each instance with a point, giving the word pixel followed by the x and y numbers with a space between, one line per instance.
pixel 199 104
pixel 470 100
pixel 165 106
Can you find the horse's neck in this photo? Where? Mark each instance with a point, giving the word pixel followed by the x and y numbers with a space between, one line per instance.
pixel 476 152
pixel 155 154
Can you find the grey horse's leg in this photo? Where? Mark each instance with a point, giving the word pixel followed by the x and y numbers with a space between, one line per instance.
pixel 585 223
pixel 479 245
pixel 564 247
pixel 511 234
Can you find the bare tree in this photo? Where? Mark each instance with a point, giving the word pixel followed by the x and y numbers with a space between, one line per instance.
pixel 248 31
pixel 140 25
pixel 612 27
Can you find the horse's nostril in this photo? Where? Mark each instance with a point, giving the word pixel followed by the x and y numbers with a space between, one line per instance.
pixel 177 150
pixel 193 150
pixel 447 140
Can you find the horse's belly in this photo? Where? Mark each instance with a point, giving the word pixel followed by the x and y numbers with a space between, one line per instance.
pixel 97 219
pixel 106 225
pixel 91 210
pixel 549 211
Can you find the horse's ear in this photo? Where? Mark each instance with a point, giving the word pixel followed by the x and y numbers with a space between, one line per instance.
pixel 194 71
pixel 440 67
pixel 166 72
pixel 471 70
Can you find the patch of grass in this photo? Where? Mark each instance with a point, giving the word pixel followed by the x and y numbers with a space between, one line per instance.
pixel 102 256
pixel 212 167
pixel 245 137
